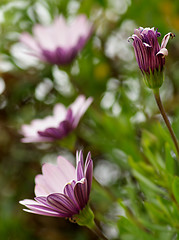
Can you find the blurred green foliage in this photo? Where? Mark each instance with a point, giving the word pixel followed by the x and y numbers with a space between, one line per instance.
pixel 134 157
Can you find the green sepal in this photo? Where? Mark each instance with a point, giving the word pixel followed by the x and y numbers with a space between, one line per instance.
pixel 154 79
pixel 85 217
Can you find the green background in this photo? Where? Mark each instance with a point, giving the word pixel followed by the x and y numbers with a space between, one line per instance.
pixel 134 157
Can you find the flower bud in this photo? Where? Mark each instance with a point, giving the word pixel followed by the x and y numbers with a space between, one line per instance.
pixel 150 55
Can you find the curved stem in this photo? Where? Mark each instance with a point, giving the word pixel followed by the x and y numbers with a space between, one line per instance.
pixel 98 232
pixel 165 118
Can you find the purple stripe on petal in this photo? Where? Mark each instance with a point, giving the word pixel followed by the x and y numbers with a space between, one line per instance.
pixel 65 127
pixel 54 180
pixel 89 175
pixel 65 56
pixel 69 191
pixel 49 56
pixel 80 192
pixel 57 133
pixel 43 200
pixel 69 116
pixel 63 203
pixel 44 209
pixel 140 52
pixel 53 133
pixel 149 54
pixel 46 213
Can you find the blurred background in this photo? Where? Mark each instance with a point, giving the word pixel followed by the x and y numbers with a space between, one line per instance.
pixel 123 130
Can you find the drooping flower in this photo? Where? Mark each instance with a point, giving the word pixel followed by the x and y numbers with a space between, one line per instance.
pixel 60 42
pixel 57 126
pixel 150 55
pixel 61 190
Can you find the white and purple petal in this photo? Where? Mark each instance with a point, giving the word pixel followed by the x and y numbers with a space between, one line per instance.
pixel 41 209
pixel 79 165
pixel 81 192
pixel 166 39
pixel 59 43
pixel 69 191
pixel 149 55
pixel 59 125
pixel 58 192
pixel 79 107
pixel 63 203
pixel 89 172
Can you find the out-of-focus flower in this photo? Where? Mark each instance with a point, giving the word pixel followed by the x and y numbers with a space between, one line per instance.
pixel 57 126
pixel 150 55
pixel 60 42
pixel 61 190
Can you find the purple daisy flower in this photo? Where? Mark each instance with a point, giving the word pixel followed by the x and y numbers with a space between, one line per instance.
pixel 57 126
pixel 61 190
pixel 150 55
pixel 60 42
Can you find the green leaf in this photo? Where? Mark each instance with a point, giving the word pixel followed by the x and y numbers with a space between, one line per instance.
pixel 147 182
pixel 175 188
pixel 169 161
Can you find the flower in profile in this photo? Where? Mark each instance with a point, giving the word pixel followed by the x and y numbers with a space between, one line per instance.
pixel 60 42
pixel 150 55
pixel 61 190
pixel 57 126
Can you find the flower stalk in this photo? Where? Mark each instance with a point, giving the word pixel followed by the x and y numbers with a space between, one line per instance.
pixel 86 218
pixel 165 118
pixel 98 232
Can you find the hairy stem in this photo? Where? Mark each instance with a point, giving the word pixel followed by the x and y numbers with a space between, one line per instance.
pixel 165 118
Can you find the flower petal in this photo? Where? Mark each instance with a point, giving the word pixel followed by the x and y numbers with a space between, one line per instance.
pixel 79 107
pixel 54 177
pixel 27 39
pixel 80 165
pixel 59 112
pixel 63 203
pixel 57 133
pixel 69 191
pixel 80 192
pixel 67 170
pixel 45 35
pixel 163 52
pixel 41 186
pixel 89 172
pixel 141 53
pixel 38 208
pixel 45 213
pixel 166 39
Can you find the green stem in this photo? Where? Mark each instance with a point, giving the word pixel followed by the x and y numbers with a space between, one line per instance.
pixel 98 232
pixel 86 218
pixel 165 118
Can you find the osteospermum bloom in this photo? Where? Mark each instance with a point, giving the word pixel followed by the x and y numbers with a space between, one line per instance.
pixel 150 55
pixel 60 124
pixel 60 42
pixel 61 190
